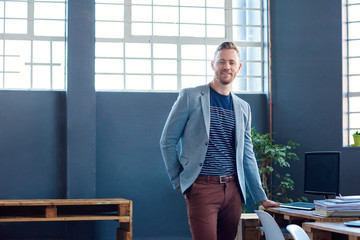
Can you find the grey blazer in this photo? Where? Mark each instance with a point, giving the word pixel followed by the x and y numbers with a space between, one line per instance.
pixel 185 138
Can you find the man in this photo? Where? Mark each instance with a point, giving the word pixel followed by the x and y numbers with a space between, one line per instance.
pixel 207 148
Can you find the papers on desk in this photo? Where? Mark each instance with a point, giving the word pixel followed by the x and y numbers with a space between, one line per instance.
pixel 340 206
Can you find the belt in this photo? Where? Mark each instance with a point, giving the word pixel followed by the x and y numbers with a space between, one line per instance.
pixel 216 179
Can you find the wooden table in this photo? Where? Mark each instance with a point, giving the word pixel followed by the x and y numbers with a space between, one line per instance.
pixel 285 216
pixel 324 230
pixel 43 210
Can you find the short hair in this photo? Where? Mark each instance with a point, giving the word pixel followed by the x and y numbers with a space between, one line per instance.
pixel 227 45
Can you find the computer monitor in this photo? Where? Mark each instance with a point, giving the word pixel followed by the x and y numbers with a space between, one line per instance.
pixel 322 173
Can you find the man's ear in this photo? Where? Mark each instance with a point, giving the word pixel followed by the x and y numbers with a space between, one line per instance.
pixel 239 67
pixel 212 64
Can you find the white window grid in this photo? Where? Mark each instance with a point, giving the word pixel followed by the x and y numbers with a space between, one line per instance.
pixel 351 62
pixel 32 44
pixel 137 24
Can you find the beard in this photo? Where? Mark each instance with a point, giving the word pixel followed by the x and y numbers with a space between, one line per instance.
pixel 225 80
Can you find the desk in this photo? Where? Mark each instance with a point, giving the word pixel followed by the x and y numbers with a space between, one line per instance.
pixel 285 216
pixel 324 230
pixel 42 210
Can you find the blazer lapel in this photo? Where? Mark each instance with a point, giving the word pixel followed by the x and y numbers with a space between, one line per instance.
pixel 205 105
pixel 238 118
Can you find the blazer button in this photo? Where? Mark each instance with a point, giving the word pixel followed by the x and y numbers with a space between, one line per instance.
pixel 200 164
pixel 206 143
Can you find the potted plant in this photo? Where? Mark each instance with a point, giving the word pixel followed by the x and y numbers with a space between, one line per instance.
pixel 270 158
pixel 356 136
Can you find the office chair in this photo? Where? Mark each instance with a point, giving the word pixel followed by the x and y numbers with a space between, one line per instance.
pixel 297 232
pixel 270 227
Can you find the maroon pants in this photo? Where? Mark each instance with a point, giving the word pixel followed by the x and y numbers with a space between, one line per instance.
pixel 214 209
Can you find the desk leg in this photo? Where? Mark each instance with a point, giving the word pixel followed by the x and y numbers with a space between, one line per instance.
pixel 124 232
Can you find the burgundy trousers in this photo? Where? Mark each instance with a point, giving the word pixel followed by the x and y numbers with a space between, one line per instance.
pixel 213 209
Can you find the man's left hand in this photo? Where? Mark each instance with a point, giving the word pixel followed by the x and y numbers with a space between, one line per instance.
pixel 269 203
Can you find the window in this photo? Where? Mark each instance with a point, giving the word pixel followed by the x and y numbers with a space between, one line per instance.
pixel 351 63
pixel 32 44
pixel 166 45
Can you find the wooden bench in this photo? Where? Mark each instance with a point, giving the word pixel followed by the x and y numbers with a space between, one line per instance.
pixel 42 210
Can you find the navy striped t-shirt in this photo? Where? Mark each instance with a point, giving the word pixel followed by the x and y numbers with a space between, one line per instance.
pixel 220 156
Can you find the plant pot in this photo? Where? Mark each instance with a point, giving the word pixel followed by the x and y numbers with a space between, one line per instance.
pixel 356 140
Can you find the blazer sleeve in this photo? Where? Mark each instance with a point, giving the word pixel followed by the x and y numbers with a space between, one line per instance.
pixel 171 136
pixel 251 169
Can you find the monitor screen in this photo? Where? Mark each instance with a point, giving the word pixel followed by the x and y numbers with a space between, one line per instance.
pixel 322 170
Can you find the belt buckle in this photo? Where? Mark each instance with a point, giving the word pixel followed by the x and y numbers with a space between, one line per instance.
pixel 221 179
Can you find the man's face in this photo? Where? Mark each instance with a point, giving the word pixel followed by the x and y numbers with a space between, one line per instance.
pixel 226 66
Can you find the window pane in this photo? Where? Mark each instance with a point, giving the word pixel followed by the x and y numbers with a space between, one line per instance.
pixel 354 30
pixel 187 30
pixel 210 51
pixel 354 84
pixel 19 80
pixel 1 9
pixel 354 48
pixel 49 10
pixel 255 84
pixel 15 26
pixel 109 12
pixel 199 3
pixel 193 67
pixel 166 2
pixel 354 120
pixel 219 13
pixel 109 66
pixel 353 13
pixel 138 82
pixel 109 29
pixel 138 66
pixel 239 84
pixel 253 69
pixel 49 28
pixel 163 29
pixel 141 50
pixel 192 81
pixel 354 64
pixel 166 14
pixel 215 31
pixel 252 53
pixel 165 66
pixel 109 82
pixel 193 52
pixel 165 83
pixel 165 51
pixel 215 3
pixel 141 13
pixel 141 29
pixel 106 49
pixel 41 77
pixel 58 77
pixel 16 9
pixel 246 17
pixel 192 15
pixel 41 51
pixel 354 104
pixel 246 3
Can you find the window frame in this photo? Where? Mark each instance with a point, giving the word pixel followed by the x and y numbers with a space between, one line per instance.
pixel 31 37
pixel 180 41
pixel 348 130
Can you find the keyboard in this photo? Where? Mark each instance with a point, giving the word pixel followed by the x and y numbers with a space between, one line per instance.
pixel 308 206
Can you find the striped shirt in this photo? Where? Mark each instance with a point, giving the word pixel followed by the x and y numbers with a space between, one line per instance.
pixel 220 156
